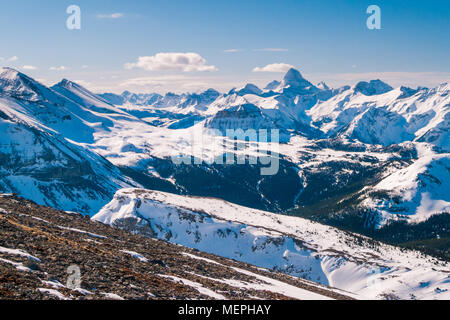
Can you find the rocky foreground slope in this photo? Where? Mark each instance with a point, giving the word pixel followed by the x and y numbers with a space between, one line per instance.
pixel 41 248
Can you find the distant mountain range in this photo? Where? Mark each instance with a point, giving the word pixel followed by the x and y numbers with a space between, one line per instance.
pixel 370 112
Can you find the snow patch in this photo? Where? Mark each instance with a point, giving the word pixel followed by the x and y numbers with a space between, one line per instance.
pixel 136 255
pixel 197 286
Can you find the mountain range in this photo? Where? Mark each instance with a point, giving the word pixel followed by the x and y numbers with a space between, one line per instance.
pixel 366 158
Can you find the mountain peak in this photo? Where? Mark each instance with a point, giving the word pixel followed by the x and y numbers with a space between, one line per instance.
pixel 293 74
pixel 7 72
pixel 323 86
pixel 65 82
pixel 374 87
pixel 11 74
pixel 68 84
pixel 445 86
pixel 294 79
pixel 249 88
pixel 16 84
pixel 272 85
pixel 210 91
pixel 407 92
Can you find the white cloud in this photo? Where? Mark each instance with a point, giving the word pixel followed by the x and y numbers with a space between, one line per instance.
pixel 12 59
pixel 186 62
pixel 28 67
pixel 274 67
pixel 233 50
pixel 116 15
pixel 84 66
pixel 60 68
pixel 272 50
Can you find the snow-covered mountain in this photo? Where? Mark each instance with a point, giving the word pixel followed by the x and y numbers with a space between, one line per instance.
pixel 322 254
pixel 141 99
pixel 375 113
pixel 366 158
pixel 249 88
pixel 415 192
pixel 41 158
pixel 344 151
pixel 170 102
pixel 371 112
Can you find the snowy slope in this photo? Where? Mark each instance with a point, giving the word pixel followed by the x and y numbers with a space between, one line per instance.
pixel 63 146
pixel 323 171
pixel 68 108
pixel 415 192
pixel 293 245
pixel 377 115
pixel 39 164
pixel 39 161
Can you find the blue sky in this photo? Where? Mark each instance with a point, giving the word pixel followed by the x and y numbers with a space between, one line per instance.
pixel 325 39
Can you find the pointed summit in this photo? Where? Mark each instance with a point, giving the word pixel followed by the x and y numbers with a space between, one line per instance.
pixel 294 79
pixel 209 94
pixel 407 92
pixel 210 91
pixel 69 85
pixel 292 75
pixel 77 93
